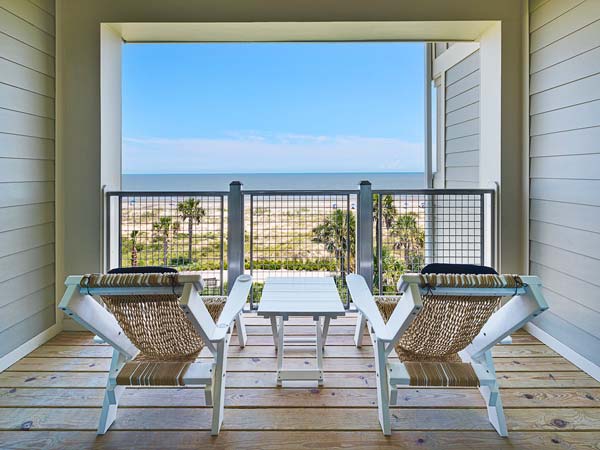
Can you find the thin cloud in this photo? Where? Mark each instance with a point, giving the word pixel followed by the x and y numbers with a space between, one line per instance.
pixel 271 153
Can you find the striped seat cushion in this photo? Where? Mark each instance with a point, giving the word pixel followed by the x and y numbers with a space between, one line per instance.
pixel 441 374
pixel 153 373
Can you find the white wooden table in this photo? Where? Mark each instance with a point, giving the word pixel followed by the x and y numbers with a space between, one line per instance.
pixel 283 298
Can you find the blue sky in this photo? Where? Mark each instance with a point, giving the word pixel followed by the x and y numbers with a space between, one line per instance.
pixel 272 107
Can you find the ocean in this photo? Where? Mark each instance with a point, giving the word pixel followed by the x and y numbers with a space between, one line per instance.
pixel 270 181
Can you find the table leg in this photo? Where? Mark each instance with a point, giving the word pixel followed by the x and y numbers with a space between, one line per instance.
pixel 320 344
pixel 274 330
pixel 280 337
pixel 326 321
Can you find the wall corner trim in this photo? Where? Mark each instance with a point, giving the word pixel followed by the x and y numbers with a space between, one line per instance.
pixel 568 353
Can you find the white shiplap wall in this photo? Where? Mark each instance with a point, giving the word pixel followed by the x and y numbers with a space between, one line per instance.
pixel 462 123
pixel 565 168
pixel 27 48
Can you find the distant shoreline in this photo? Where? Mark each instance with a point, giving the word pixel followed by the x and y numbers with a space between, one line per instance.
pixel 275 181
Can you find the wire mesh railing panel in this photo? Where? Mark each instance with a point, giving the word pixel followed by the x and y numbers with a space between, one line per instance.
pixel 180 231
pixel 300 235
pixel 415 229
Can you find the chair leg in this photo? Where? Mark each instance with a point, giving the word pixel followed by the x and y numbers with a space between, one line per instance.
pixel 360 328
pixel 109 407
pixel 208 401
pixel 112 393
pixel 491 395
pixel 383 394
pixel 495 411
pixel 241 330
pixel 218 397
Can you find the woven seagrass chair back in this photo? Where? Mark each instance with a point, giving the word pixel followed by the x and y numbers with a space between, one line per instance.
pixel 447 323
pixel 154 323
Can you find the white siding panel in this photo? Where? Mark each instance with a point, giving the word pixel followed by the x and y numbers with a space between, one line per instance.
pixel 574 19
pixel 536 4
pixel 571 118
pixel 23 331
pixel 22 170
pixel 451 184
pixel 463 159
pixel 26 124
pixel 14 194
pixel 467 143
pixel 20 100
pixel 576 265
pixel 25 32
pixel 16 217
pixel 466 67
pixel 466 98
pixel 469 174
pixel 19 76
pixel 468 128
pixel 27 232
pixel 573 215
pixel 26 284
pixel 579 67
pixel 568 47
pixel 461 123
pixel 20 263
pixel 462 85
pixel 469 112
pixel 550 11
pixel 22 239
pixel 583 192
pixel 46 5
pixel 572 166
pixel 580 91
pixel 573 142
pixel 26 147
pixel 577 241
pixel 27 56
pixel 581 291
pixel 576 314
pixel 583 343
pixel 31 13
pixel 25 307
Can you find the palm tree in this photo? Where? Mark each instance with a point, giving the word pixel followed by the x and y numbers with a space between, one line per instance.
pixel 163 228
pixel 134 250
pixel 388 210
pixel 338 234
pixel 191 211
pixel 410 238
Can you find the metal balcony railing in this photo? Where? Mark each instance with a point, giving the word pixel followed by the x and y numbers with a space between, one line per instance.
pixel 379 234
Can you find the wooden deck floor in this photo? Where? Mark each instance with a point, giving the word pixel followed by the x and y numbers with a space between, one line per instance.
pixel 52 399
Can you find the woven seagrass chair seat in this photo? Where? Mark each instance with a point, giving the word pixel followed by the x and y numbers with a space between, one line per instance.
pixel 446 325
pixel 156 325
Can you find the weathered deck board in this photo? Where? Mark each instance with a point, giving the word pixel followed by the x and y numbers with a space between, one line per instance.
pixel 298 397
pixel 299 440
pixel 56 393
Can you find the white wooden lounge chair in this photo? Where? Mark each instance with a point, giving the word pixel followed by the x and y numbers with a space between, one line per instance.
pixel 157 325
pixel 442 329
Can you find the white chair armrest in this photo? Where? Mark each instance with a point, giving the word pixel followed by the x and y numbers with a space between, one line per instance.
pixel 513 315
pixel 363 299
pixel 86 311
pixel 235 302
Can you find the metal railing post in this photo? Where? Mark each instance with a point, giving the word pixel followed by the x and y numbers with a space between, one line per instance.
pixel 364 233
pixel 235 233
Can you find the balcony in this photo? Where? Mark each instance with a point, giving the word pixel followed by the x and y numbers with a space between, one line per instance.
pixel 56 394
pixel 510 179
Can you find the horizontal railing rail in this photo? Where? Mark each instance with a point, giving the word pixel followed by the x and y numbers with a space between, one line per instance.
pixel 379 233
